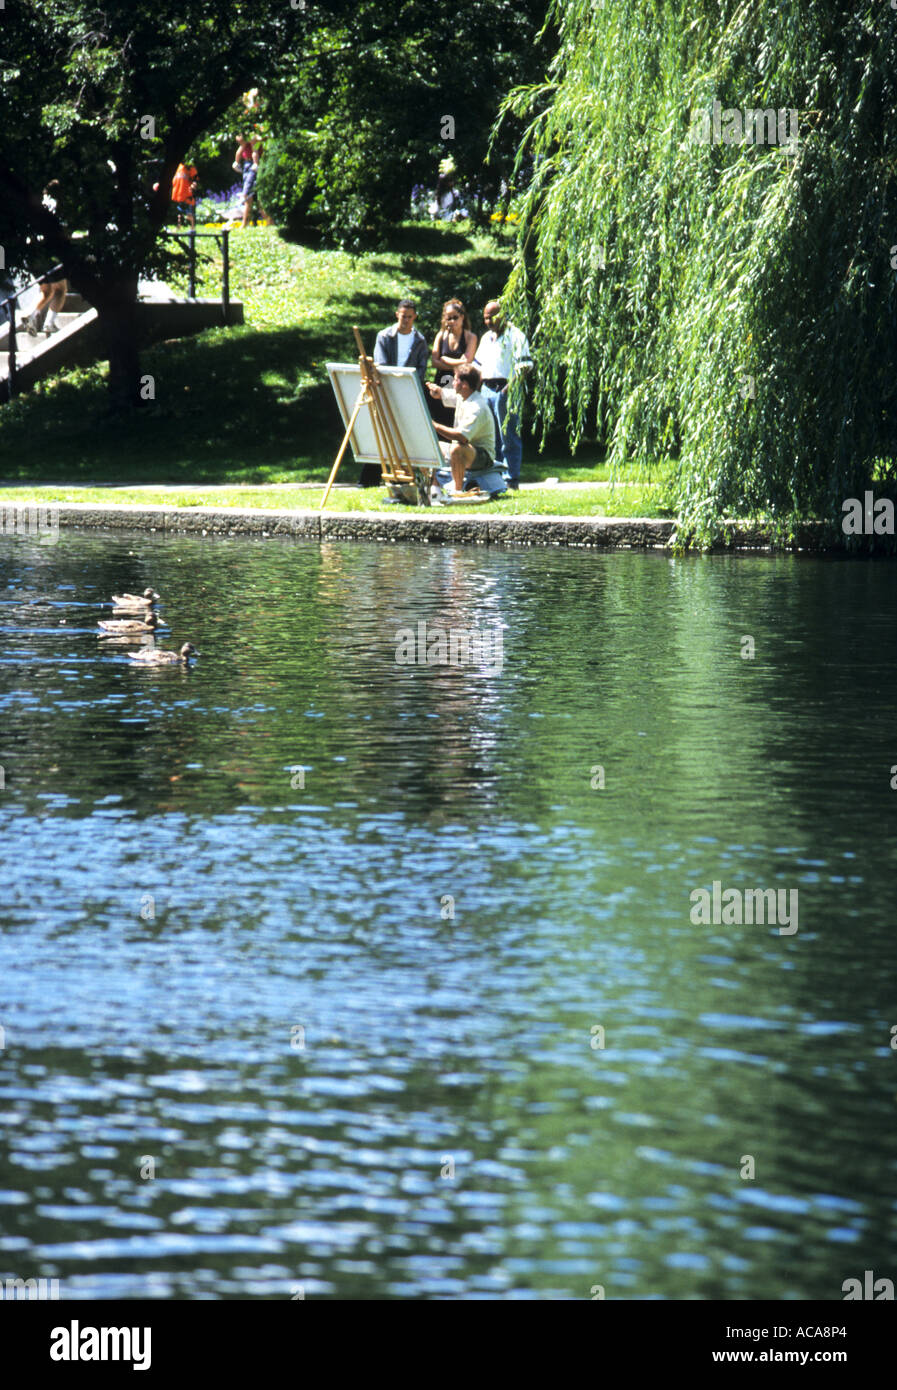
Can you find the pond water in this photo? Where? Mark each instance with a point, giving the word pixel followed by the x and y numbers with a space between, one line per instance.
pixel 322 973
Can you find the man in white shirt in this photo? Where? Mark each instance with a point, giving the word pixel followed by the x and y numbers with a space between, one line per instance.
pixel 470 442
pixel 401 345
pixel 503 355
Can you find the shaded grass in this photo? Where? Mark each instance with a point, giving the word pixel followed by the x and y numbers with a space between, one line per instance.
pixel 252 404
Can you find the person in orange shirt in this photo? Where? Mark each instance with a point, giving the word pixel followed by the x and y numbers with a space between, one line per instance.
pixel 183 192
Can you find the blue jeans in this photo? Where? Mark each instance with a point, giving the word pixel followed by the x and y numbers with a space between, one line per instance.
pixel 491 480
pixel 508 445
pixel 250 174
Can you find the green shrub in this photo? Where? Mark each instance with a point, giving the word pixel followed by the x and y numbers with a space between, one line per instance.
pixel 286 183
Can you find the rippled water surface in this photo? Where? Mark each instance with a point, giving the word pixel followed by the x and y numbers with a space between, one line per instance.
pixel 306 955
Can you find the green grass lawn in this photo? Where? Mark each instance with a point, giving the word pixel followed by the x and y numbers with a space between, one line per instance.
pixel 597 499
pixel 252 405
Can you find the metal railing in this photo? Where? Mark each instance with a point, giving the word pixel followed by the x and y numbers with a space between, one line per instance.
pixel 223 240
pixel 10 304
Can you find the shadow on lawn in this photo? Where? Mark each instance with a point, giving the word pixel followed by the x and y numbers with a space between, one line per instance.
pixel 474 282
pixel 229 407
pixel 407 237
pixel 239 404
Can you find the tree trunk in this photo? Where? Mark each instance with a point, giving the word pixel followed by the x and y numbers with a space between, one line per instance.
pixel 117 311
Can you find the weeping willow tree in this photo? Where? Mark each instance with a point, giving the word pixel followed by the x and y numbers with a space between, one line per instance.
pixel 704 262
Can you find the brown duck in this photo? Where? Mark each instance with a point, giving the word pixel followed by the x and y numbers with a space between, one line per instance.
pixel 134 603
pixel 149 657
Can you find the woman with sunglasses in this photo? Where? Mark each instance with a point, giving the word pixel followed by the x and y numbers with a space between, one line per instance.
pixel 454 346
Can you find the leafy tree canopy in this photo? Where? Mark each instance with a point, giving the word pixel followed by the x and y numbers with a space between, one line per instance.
pixel 699 296
pixel 107 96
pixel 381 97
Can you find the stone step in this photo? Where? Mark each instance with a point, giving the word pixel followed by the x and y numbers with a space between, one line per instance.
pixel 47 351
pixel 78 342
pixel 24 338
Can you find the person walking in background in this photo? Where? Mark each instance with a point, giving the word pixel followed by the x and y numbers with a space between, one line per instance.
pixel 454 346
pixel 52 295
pixel 246 163
pixel 50 303
pixel 243 157
pixel 503 357
pixel 183 192
pixel 446 200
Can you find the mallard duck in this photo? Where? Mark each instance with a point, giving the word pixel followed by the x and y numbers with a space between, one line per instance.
pixel 133 626
pixel 157 658
pixel 134 603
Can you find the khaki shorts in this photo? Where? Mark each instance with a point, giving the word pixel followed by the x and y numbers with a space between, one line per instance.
pixel 483 461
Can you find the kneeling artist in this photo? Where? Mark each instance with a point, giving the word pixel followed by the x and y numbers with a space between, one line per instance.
pixel 469 446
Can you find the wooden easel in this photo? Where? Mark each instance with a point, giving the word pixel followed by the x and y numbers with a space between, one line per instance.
pixel 395 466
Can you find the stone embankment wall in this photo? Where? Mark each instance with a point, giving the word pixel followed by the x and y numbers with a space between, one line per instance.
pixel 424 526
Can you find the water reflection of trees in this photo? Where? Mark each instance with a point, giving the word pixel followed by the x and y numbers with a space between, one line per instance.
pixel 434 729
pixel 630 661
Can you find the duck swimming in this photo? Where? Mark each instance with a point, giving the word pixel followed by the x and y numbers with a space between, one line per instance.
pixel 149 657
pixel 137 627
pixel 135 603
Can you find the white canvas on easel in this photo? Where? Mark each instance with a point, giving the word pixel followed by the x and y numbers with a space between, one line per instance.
pixel 404 395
